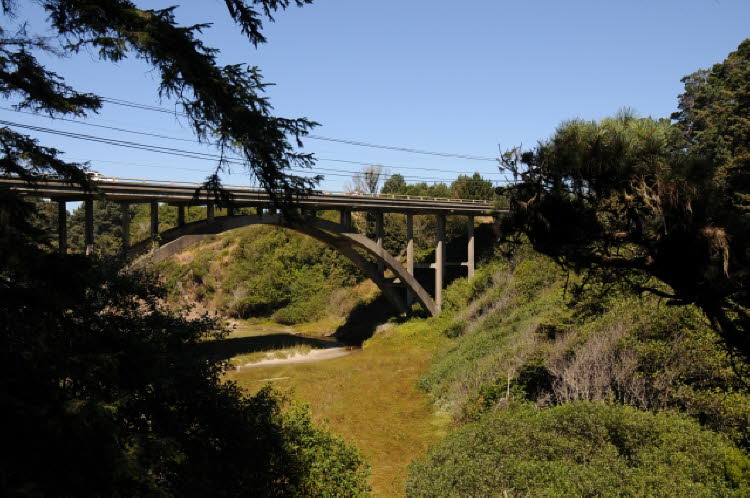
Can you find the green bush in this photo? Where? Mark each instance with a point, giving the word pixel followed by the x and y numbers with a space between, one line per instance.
pixel 328 465
pixel 521 323
pixel 262 271
pixel 582 449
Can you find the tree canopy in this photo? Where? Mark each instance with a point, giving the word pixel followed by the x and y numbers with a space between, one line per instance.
pixel 472 187
pixel 104 390
pixel 628 198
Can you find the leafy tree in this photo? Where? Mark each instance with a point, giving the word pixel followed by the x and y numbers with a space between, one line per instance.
pixel 472 187
pixel 395 184
pixel 107 227
pixel 626 199
pixel 714 112
pixel 103 390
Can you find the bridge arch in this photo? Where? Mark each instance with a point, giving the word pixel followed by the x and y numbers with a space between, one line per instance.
pixel 335 235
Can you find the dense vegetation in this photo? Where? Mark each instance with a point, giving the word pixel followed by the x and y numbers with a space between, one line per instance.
pixel 615 359
pixel 265 272
pixel 582 449
pixel 627 199
pixel 104 391
pixel 523 334
pixel 525 345
pixel 105 395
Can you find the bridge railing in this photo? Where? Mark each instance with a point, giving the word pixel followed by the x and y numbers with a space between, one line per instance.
pixel 252 188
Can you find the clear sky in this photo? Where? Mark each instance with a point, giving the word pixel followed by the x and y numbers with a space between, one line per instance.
pixel 461 77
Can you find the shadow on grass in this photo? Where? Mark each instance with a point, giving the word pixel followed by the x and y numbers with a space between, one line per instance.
pixel 225 349
pixel 363 320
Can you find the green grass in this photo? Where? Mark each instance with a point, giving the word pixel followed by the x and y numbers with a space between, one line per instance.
pixel 370 398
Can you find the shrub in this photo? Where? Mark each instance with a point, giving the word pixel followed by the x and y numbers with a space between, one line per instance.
pixel 582 449
pixel 519 323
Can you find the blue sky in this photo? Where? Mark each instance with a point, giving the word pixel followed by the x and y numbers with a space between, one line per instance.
pixel 461 77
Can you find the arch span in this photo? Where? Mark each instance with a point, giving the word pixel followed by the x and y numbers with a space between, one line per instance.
pixel 333 234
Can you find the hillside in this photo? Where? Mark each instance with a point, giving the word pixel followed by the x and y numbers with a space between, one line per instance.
pixel 609 389
pixel 567 390
pixel 266 272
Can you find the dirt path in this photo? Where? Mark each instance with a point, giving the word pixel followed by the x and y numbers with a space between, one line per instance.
pixel 311 357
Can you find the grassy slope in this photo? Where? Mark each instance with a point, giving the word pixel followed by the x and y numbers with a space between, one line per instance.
pixel 266 272
pixel 371 398
pixel 515 329
pixel 522 333
pixel 522 341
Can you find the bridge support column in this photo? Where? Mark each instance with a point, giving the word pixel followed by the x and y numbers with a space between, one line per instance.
pixel 88 232
pixel 409 256
pixel 309 213
pixel 62 227
pixel 439 261
pixel 346 218
pixel 154 223
pixel 210 212
pixel 125 218
pixel 379 240
pixel 230 211
pixel 470 246
pixel 180 216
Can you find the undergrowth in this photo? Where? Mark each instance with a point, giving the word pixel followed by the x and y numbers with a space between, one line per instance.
pixel 265 271
pixel 529 357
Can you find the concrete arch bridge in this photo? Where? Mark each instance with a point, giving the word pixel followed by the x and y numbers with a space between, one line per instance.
pixel 340 236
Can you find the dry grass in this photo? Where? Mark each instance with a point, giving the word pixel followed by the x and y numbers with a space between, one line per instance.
pixel 370 398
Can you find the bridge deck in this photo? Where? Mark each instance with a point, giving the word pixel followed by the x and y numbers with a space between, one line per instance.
pixel 131 190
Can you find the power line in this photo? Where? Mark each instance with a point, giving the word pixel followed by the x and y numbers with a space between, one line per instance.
pixel 192 140
pixel 357 143
pixel 193 154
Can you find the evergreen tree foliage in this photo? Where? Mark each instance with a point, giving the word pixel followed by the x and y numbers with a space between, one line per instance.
pixel 627 199
pixel 103 390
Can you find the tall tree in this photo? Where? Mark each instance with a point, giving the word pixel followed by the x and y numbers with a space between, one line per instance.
pixel 628 199
pixel 224 104
pixel 107 227
pixel 105 392
pixel 472 187
pixel 395 184
pixel 714 114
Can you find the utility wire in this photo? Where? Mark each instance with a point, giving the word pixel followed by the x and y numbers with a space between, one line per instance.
pixel 197 155
pixel 192 140
pixel 357 143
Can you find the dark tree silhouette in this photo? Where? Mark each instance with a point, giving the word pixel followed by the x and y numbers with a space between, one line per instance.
pixel 629 199
pixel 102 389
